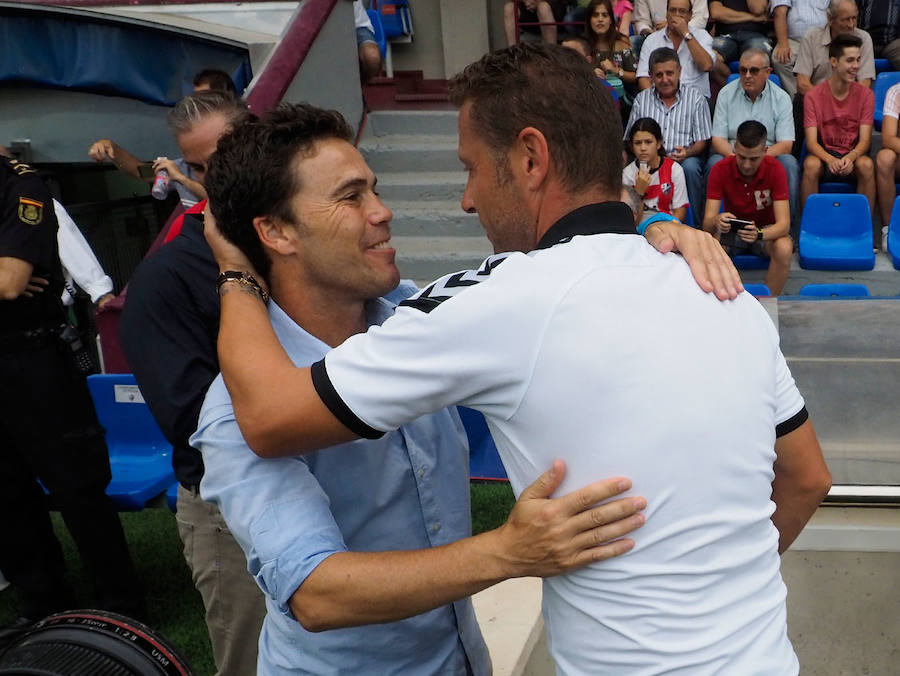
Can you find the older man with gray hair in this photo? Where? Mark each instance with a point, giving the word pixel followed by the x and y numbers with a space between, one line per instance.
pixel 813 66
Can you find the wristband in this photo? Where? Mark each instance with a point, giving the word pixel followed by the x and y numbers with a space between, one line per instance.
pixel 659 217
pixel 245 279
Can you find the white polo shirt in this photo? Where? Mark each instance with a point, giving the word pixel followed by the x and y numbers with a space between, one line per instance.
pixel 601 351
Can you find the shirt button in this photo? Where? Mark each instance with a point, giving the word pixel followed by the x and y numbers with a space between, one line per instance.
pixel 436 527
pixel 421 472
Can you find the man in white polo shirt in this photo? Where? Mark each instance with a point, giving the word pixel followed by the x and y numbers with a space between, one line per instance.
pixel 592 344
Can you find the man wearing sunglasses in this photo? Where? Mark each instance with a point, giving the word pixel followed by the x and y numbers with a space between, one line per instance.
pixel 754 97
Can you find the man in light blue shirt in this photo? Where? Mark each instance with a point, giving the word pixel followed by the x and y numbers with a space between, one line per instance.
pixel 367 540
pixel 754 97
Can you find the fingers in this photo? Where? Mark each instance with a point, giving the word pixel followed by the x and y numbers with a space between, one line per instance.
pixel 546 483
pixel 586 498
pixel 609 522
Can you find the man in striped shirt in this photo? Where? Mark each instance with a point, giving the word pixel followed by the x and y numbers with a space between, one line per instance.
pixel 683 115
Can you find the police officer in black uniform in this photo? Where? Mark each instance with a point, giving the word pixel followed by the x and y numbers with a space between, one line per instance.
pixel 48 426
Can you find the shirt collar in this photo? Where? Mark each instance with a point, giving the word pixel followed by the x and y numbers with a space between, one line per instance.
pixel 761 95
pixel 592 219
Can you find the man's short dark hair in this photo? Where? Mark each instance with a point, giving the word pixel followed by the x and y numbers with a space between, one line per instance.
pixel 252 173
pixel 215 79
pixel 662 55
pixel 751 133
pixel 554 90
pixel 197 106
pixel 842 42
pixel 583 42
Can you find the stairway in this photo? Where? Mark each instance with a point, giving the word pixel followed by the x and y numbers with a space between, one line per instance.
pixel 413 154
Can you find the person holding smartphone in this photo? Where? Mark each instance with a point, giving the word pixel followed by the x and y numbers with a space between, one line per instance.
pixel 747 206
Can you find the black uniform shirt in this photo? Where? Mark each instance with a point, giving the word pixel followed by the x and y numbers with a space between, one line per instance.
pixel 168 331
pixel 28 231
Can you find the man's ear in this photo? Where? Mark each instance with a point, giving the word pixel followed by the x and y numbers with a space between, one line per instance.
pixel 533 156
pixel 275 234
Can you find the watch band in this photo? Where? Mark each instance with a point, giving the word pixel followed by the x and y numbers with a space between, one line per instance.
pixel 759 234
pixel 245 279
pixel 688 36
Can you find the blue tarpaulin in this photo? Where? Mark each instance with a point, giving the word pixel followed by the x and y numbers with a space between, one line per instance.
pixel 109 58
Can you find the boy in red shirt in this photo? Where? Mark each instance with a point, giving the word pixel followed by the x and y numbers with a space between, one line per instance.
pixel 751 186
pixel 838 118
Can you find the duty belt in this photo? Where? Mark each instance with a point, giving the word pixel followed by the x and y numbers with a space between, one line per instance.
pixel 26 339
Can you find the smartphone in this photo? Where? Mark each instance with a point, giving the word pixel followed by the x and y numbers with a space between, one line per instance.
pixel 737 223
pixel 644 167
pixel 145 170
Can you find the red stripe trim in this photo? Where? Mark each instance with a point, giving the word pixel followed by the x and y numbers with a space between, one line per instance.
pixel 271 84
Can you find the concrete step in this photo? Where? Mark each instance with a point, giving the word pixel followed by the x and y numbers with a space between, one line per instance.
pixel 388 122
pixel 424 259
pixel 411 153
pixel 433 219
pixel 446 186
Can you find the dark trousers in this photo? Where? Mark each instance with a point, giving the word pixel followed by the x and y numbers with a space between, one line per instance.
pixel 49 432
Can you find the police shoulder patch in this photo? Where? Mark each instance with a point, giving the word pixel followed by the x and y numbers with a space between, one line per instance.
pixel 31 211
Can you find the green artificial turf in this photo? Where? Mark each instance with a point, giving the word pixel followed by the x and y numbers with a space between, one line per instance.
pixel 175 608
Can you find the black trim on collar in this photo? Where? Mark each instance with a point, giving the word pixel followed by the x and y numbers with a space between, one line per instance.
pixel 592 219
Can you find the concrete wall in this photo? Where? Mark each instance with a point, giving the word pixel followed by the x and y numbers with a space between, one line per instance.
pixel 62 124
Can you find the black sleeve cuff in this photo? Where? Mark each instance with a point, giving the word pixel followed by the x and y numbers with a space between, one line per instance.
pixel 792 423
pixel 336 405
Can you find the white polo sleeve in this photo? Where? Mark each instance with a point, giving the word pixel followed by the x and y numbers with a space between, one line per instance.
pixel 462 340
pixel 790 409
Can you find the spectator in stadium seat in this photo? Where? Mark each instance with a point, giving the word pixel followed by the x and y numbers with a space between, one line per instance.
pixel 886 165
pixel 881 20
pixel 838 120
pixel 683 115
pixel 533 11
pixel 754 97
pixel 740 24
pixel 367 49
pixel 752 186
pixel 581 45
pixel 792 19
pixel 650 16
pixel 612 51
pixel 657 180
pixel 693 46
pixel 813 65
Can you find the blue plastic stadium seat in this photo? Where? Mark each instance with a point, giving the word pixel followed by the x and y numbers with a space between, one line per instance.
pixel 835 290
pixel 772 77
pixel 139 455
pixel 395 18
pixel 378 29
pixel 484 461
pixel 883 82
pixel 881 65
pixel 894 235
pixel 757 289
pixel 734 65
pixel 836 233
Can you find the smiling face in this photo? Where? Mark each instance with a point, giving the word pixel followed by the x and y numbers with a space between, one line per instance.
pixel 342 227
pixel 492 192
pixel 846 66
pixel 646 147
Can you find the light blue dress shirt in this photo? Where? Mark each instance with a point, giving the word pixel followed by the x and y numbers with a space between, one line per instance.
pixel 772 108
pixel 407 490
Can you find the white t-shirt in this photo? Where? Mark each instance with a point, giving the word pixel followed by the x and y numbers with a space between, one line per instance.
pixel 667 190
pixel 598 350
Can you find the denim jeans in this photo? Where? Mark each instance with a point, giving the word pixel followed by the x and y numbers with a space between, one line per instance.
pixel 733 44
pixel 696 186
